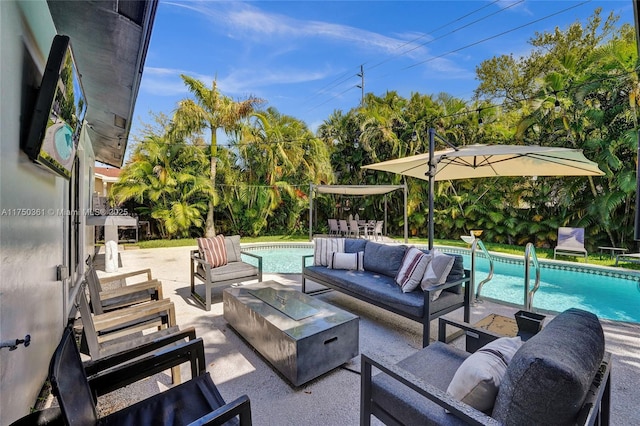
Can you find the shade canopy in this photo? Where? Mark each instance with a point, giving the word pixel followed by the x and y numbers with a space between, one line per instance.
pixel 357 190
pixel 477 161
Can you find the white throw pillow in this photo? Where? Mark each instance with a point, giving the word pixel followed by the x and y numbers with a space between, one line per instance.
pixel 478 378
pixel 323 249
pixel 414 265
pixel 351 261
pixel 437 271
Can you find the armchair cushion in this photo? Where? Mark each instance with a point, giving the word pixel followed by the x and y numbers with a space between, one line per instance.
pixel 213 250
pixel 550 375
pixel 478 378
pixel 232 245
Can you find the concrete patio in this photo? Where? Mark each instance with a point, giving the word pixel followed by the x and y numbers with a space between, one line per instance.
pixel 332 399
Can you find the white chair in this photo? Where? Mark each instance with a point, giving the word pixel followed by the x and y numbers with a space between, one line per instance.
pixel 377 231
pixel 570 242
pixel 344 227
pixel 354 228
pixel 334 229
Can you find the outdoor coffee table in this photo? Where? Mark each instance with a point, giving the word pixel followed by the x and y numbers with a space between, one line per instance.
pixel 302 337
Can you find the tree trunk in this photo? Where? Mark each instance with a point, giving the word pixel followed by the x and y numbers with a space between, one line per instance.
pixel 209 226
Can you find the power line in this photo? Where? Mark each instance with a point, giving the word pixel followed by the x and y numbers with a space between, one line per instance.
pixel 496 35
pixel 450 32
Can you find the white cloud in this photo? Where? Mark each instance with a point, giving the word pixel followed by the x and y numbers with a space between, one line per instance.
pixel 167 81
pixel 244 21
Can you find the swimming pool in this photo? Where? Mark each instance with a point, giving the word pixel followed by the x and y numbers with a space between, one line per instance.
pixel 607 292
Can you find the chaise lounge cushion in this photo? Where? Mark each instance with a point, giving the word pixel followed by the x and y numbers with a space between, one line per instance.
pixel 550 375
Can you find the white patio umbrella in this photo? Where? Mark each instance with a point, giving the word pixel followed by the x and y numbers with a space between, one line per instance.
pixel 476 161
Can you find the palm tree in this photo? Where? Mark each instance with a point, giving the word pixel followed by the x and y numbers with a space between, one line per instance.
pixel 210 110
pixel 168 180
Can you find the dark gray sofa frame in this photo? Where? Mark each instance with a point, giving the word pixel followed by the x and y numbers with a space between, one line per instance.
pixel 427 316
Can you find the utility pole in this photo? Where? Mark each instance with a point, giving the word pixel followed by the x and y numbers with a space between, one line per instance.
pixel 361 85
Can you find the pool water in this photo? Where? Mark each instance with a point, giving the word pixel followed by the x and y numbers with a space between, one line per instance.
pixel 608 297
pixel 611 297
pixel 280 260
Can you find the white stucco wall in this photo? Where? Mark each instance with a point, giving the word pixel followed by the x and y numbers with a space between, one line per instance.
pixel 32 232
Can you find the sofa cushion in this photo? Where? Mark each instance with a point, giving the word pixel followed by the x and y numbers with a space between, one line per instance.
pixel 438 269
pixel 350 261
pixel 324 247
pixel 232 244
pixel 383 259
pixel 436 364
pixel 478 378
pixel 379 289
pixel 550 375
pixel 354 245
pixel 414 265
pixel 213 250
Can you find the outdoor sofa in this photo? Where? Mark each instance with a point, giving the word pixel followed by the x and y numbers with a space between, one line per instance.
pixel 376 282
pixel 560 376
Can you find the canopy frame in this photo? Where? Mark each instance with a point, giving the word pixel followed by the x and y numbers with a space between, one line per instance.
pixel 358 190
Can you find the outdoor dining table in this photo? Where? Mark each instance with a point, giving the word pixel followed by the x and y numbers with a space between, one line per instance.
pixel 367 226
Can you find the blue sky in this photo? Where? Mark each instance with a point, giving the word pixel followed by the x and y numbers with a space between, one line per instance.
pixel 303 57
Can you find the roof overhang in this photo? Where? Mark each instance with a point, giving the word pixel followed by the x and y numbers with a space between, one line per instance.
pixel 109 39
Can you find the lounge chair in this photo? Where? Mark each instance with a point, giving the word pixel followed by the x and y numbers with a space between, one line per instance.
pixel 122 330
pixel 570 242
pixel 628 257
pixel 196 401
pixel 126 295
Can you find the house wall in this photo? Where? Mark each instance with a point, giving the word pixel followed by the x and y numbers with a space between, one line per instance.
pixel 34 224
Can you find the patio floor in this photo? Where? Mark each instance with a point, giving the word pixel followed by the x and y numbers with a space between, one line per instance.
pixel 332 399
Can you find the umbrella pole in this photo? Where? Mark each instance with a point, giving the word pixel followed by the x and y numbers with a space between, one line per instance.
pixel 431 174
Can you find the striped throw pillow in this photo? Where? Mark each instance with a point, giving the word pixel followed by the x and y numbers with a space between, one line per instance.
pixel 213 250
pixel 323 249
pixel 414 265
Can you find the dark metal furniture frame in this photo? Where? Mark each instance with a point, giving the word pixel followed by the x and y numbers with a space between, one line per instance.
pixel 210 281
pixel 595 409
pixel 427 315
pixel 196 401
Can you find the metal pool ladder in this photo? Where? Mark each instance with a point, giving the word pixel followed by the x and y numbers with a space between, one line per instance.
pixel 530 256
pixel 477 243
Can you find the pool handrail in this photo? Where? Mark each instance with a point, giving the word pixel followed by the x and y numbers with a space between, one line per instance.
pixel 530 256
pixel 474 247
